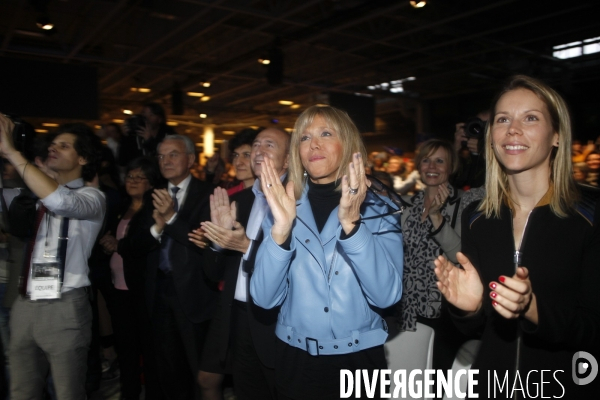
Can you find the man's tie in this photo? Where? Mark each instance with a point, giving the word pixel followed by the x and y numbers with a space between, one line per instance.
pixel 39 216
pixel 164 264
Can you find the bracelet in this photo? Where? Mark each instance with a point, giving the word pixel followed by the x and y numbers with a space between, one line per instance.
pixel 24 168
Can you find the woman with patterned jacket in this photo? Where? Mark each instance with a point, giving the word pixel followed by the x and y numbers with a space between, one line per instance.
pixel 430 228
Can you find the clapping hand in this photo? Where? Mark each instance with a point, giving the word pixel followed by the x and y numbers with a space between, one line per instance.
pixel 513 297
pixel 198 238
pixel 354 190
pixel 163 203
pixel 436 205
pixel 281 201
pixel 461 287
pixel 223 229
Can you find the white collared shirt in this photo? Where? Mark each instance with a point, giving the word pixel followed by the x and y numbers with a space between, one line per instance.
pixel 259 210
pixel 85 207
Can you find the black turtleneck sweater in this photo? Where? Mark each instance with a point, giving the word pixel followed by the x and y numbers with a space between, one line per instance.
pixel 323 199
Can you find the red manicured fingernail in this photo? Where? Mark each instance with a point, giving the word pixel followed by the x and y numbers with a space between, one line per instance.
pixel 493 285
pixel 502 279
pixel 494 294
pixel 495 304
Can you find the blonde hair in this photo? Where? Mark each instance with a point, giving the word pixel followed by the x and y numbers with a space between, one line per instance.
pixel 564 189
pixel 339 121
pixel 431 146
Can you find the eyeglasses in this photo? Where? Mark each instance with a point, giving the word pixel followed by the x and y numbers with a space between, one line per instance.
pixel 171 156
pixel 379 189
pixel 136 179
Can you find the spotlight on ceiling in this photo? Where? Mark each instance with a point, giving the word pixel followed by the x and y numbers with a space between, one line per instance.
pixel 43 22
pixel 264 61
pixel 418 4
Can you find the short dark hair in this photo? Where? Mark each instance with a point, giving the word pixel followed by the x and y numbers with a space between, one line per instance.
pixel 149 167
pixel 87 145
pixel 245 136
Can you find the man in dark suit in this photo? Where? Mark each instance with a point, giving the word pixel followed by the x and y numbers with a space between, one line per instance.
pixel 180 299
pixel 242 331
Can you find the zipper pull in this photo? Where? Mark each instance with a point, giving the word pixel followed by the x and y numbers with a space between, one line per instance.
pixel 517 258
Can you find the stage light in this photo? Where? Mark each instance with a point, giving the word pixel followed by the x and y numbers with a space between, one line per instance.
pixel 418 4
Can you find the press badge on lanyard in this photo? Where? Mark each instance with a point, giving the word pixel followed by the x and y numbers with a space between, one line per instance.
pixel 47 276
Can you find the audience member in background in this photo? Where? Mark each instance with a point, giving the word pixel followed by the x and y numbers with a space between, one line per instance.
pixel 431 227
pixel 180 299
pixel 126 303
pixel 214 170
pixel 242 335
pixel 579 153
pixel 471 170
pixel 593 168
pixel 327 270
pixel 378 160
pixel 530 250
pixel 580 171
pixel 113 134
pixel 411 180
pixel 240 148
pixel 63 325
pixel 12 249
pixel 395 167
pixel 144 140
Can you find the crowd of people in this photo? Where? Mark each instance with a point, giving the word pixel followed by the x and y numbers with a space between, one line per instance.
pixel 297 256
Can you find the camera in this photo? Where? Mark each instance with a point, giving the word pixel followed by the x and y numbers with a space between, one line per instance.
pixel 23 136
pixel 475 128
pixel 135 123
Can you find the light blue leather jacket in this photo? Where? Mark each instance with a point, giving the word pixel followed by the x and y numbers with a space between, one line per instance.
pixel 328 286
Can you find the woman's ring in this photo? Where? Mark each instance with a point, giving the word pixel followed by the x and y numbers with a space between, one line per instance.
pixel 353 191
pixel 269 185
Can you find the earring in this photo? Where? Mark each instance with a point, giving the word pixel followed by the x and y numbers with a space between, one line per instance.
pixel 305 174
pixel 556 144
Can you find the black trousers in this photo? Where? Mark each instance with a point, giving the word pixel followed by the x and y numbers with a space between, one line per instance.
pixel 128 338
pixel 251 378
pixel 178 342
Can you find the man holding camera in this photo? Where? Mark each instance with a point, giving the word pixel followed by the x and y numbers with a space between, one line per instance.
pixel 468 143
pixel 51 321
pixel 144 132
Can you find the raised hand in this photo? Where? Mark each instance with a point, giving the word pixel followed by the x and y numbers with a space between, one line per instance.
pixel 231 239
pixel 436 205
pixel 354 190
pixel 6 129
pixel 222 213
pixel 163 203
pixel 281 201
pixel 513 296
pixel 461 287
pixel 440 199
